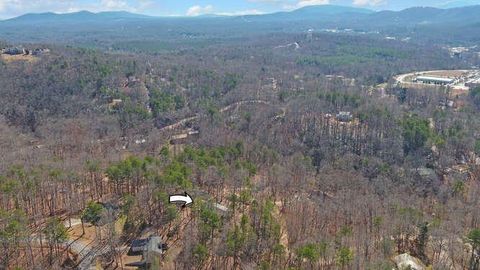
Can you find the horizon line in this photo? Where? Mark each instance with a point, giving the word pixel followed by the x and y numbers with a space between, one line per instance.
pixel 219 14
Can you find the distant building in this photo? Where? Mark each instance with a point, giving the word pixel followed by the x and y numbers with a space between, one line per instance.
pixel 179 139
pixel 447 103
pixel 184 137
pixel 39 51
pixel 344 116
pixel 222 208
pixel 137 246
pixel 12 51
pixel 114 104
pixel 310 34
pixel 131 80
pixel 434 80
pixel 425 172
pixel 458 51
pixel 20 50
pixel 141 141
pixel 473 84
pixel 192 131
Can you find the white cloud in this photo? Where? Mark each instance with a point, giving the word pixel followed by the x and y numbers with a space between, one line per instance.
pixel 294 4
pixel 3 4
pixel 199 10
pixel 291 5
pixel 242 12
pixel 267 1
pixel 368 2
pixel 114 4
pixel 305 3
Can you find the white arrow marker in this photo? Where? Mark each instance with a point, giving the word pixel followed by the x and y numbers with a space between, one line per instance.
pixel 184 199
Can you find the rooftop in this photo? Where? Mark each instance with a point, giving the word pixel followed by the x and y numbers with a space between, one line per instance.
pixel 150 248
pixel 438 79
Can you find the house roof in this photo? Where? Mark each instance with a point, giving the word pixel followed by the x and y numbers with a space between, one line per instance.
pixel 436 79
pixel 154 245
pixel 139 242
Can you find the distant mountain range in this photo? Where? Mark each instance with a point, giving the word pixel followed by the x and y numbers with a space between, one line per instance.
pixel 314 13
pixel 324 10
pixel 457 24
pixel 458 3
pixel 428 15
pixel 326 13
pixel 76 17
pixel 310 12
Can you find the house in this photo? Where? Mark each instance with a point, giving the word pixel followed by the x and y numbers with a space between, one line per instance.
pixel 179 139
pixel 473 83
pixel 344 116
pixel 116 101
pixel 12 51
pixel 114 104
pixel 130 80
pixel 425 172
pixel 151 250
pixel 23 51
pixel 184 137
pixel 221 208
pixel 310 34
pixel 137 246
pixel 192 131
pixel 39 51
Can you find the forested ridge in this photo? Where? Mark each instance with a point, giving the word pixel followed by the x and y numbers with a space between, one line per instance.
pixel 250 128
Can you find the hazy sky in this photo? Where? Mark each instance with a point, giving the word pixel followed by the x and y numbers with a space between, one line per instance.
pixel 11 8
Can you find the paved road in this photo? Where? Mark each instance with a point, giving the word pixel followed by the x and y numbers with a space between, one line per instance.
pixel 224 109
pixel 86 254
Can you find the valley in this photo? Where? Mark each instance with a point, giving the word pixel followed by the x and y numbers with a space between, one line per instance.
pixel 325 137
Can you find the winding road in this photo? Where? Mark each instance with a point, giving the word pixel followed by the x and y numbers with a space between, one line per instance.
pixel 224 109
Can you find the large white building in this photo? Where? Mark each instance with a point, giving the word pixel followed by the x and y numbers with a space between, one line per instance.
pixel 434 80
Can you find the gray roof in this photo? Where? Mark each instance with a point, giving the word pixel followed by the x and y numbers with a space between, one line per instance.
pixel 435 79
pixel 152 248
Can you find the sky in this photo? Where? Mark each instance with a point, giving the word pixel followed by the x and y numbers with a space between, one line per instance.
pixel 13 8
